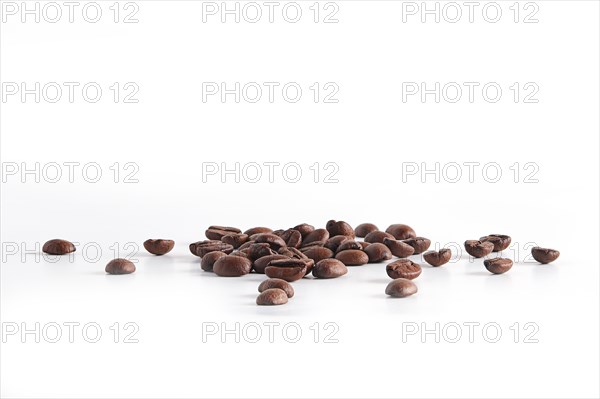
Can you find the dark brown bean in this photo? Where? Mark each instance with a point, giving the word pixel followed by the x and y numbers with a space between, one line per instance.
pixel 364 244
pixel 420 244
pixel 318 235
pixel 377 236
pixel 401 288
pixel 232 266
pixel 498 265
pixel 318 253
pixel 272 296
pixel 334 242
pixel 235 240
pixel 243 253
pixel 258 250
pixel 365 228
pixel 438 258
pixel 304 229
pixel 120 266
pixel 291 237
pixel 377 252
pixel 401 231
pixel 403 268
pixel 292 253
pixel 58 247
pixel 329 268
pixel 217 232
pixel 340 228
pixel 274 241
pixel 201 248
pixel 260 264
pixel 478 249
pixel 398 248
pixel 544 255
pixel 500 241
pixel 277 283
pixel 353 257
pixel 257 230
pixel 159 246
pixel 209 260
pixel 287 269
pixel 246 244
pixel 349 244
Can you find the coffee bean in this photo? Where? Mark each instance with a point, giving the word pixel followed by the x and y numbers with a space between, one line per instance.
pixel 292 253
pixel 287 269
pixel 304 229
pixel 291 237
pixel 217 232
pixel 377 252
pixel 401 231
pixel 318 253
pixel 401 288
pixel 277 283
pixel 353 257
pixel 159 247
pixel 501 242
pixel 420 244
pixel 544 255
pixel 258 250
pixel 339 229
pixel 349 244
pixel 329 268
pixel 498 265
pixel 58 247
pixel 260 264
pixel 246 245
pixel 365 228
pixel 209 260
pixel 243 253
pixel 403 268
pixel 257 230
pixel 235 240
pixel 364 244
pixel 318 235
pixel 201 248
pixel 398 248
pixel 272 296
pixel 120 266
pixel 438 258
pixel 478 249
pixel 275 242
pixel 377 236
pixel 232 266
pixel 334 242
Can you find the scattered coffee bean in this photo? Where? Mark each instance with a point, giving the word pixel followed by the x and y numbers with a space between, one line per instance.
pixel 291 237
pixel 438 258
pixel 377 236
pixel 209 260
pixel 272 296
pixel 260 264
pixel 365 228
pixel 349 244
pixel 277 283
pixel 334 242
pixel 258 250
pixel 420 244
pixel 353 257
pixel 339 229
pixel 257 230
pixel 318 253
pixel 329 268
pixel 401 288
pixel 304 229
pixel 403 268
pixel 500 241
pixel 232 266
pixel 201 248
pixel 217 232
pixel 318 235
pixel 498 265
pixel 288 269
pixel 58 247
pixel 292 253
pixel 274 241
pixel 398 248
pixel 378 252
pixel 401 231
pixel 478 249
pixel 364 244
pixel 235 240
pixel 159 247
pixel 544 255
pixel 246 245
pixel 120 266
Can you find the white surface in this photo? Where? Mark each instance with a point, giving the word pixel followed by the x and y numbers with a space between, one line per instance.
pixel 369 133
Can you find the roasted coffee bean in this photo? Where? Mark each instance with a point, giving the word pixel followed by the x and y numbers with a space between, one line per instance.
pixel 258 250
pixel 217 232
pixel 329 268
pixel 275 242
pixel 377 236
pixel 498 265
pixel 420 244
pixel 438 258
pixel 398 248
pixel 318 253
pixel 544 255
pixel 304 229
pixel 401 288
pixel 287 269
pixel 120 266
pixel 292 253
pixel 246 245
pixel 334 242
pixel 277 283
pixel 201 248
pixel 257 230
pixel 377 252
pixel 232 266
pixel 159 247
pixel 209 260
pixel 478 249
pixel 272 296
pixel 58 247
pixel 365 228
pixel 292 238
pixel 260 264
pixel 403 268
pixel 401 231
pixel 278 232
pixel 353 257
pixel 318 235
pixel 349 244
pixel 500 241
pixel 340 228
pixel 243 253
pixel 364 244
pixel 236 240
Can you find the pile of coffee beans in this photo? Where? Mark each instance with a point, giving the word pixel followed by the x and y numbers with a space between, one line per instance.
pixel 303 251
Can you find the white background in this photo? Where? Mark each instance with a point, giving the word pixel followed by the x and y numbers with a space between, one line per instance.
pixel 370 134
